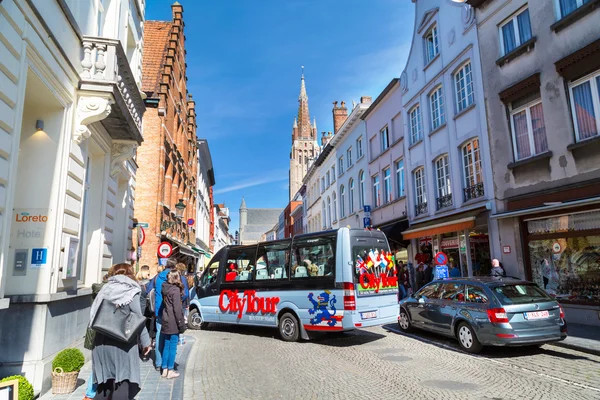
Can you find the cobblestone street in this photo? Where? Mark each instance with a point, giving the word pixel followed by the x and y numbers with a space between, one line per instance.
pixel 378 363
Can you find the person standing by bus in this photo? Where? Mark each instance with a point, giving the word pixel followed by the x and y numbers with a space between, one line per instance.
pixel 172 322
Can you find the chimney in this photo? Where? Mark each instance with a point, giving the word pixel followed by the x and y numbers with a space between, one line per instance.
pixel 340 113
pixel 366 100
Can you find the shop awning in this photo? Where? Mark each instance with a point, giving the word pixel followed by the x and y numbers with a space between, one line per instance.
pixel 181 248
pixel 453 223
pixel 393 230
pixel 548 207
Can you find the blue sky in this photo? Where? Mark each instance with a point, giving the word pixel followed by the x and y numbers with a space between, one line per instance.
pixel 244 61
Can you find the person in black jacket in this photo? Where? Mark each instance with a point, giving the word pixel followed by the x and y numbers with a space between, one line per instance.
pixel 172 322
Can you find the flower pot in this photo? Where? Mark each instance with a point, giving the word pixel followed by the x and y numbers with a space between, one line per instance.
pixel 64 382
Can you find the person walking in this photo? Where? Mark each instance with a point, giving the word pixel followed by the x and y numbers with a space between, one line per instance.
pixel 420 277
pixel 454 270
pixel 172 322
pixel 116 364
pixel 497 270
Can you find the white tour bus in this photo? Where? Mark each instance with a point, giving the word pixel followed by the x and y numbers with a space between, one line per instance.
pixel 326 281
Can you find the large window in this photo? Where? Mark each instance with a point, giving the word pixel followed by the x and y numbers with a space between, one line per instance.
pixel 528 129
pixel 385 139
pixel 351 196
pixel 431 44
pixel 464 87
pixel 436 101
pixel 324 218
pixel 334 205
pixel 387 185
pixel 515 31
pixel 400 178
pixel 566 7
pixel 585 106
pixel 420 192
pixel 473 174
pixel 444 190
pixel 333 173
pixel 328 212
pixel 416 127
pixel 349 157
pixel 342 201
pixel 359 148
pixel 376 191
pixel 361 189
pixel 273 261
pixel 341 165
pixel 313 257
pixel 322 184
pixel 328 179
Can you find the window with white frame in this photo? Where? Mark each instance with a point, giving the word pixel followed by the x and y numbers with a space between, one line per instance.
pixel 431 44
pixel 463 81
pixel 324 218
pixel 334 218
pixel 385 139
pixel 328 211
pixel 416 127
pixel 436 101
pixel 528 127
pixel 566 7
pixel 400 192
pixel 420 190
pixel 328 179
pixel 376 191
pixel 359 148
pixel 473 184
pixel 342 201
pixel 387 185
pixel 349 157
pixel 322 185
pixel 442 174
pixel 585 105
pixel 515 31
pixel 351 196
pixel 333 173
pixel 341 165
pixel 361 189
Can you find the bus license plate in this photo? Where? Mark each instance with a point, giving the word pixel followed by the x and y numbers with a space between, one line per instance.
pixel 537 315
pixel 368 314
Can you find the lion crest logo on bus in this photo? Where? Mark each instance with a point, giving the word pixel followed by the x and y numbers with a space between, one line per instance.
pixel 324 309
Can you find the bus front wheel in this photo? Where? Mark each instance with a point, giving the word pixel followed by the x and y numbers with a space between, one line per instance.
pixel 289 328
pixel 195 320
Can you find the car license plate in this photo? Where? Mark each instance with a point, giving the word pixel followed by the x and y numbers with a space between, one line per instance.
pixel 537 315
pixel 368 314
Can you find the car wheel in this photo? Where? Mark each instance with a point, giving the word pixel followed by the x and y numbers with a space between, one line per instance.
pixel 404 321
pixel 289 329
pixel 195 320
pixel 467 338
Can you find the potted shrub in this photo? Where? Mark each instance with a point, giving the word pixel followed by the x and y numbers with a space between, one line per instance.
pixel 25 388
pixel 65 370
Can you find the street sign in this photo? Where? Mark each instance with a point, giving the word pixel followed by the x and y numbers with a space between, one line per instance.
pixel 556 247
pixel 506 249
pixel 441 258
pixel 165 249
pixel 367 221
pixel 141 236
pixel 191 221
pixel 162 261
pixel 142 225
pixel 367 209
pixel 38 257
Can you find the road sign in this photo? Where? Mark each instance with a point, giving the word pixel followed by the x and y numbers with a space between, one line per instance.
pixel 191 221
pixel 506 249
pixel 165 249
pixel 142 225
pixel 367 209
pixel 556 247
pixel 441 272
pixel 162 261
pixel 38 257
pixel 142 236
pixel 441 258
pixel 367 221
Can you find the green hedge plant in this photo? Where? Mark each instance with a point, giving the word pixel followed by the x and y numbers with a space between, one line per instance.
pixel 70 360
pixel 25 388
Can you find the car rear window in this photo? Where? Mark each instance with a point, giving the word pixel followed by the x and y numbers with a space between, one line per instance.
pixel 520 294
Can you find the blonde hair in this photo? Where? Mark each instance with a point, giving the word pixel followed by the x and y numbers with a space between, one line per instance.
pixel 181 267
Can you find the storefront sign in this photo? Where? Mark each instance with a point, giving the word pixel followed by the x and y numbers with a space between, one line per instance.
pixel 28 234
pixel 39 257
pixel 479 239
pixel 248 303
pixel 450 243
pixel 506 249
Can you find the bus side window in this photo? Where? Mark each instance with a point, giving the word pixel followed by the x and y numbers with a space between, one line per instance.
pixel 313 258
pixel 273 260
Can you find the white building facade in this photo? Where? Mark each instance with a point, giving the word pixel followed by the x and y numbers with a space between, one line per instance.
pixel 446 145
pixel 70 123
pixel 205 182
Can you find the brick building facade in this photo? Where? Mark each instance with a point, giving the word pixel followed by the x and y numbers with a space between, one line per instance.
pixel 168 159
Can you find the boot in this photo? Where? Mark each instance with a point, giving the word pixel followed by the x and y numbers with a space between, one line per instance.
pixel 164 373
pixel 172 374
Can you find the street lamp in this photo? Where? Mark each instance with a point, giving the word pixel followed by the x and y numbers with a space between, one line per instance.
pixel 179 207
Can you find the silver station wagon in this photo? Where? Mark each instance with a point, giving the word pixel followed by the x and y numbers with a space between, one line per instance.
pixel 485 311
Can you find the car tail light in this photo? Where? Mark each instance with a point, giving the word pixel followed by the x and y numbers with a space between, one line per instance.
pixel 506 335
pixel 562 313
pixel 497 315
pixel 349 296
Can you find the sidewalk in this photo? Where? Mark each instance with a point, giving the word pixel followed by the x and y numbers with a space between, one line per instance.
pixel 153 386
pixel 584 338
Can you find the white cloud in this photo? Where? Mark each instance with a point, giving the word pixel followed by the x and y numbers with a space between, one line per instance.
pixel 252 183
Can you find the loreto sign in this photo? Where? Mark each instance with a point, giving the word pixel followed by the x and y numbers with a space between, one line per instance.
pixel 29 229
pixel 248 303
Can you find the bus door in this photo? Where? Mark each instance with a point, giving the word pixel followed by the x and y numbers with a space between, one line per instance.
pixel 208 289
pixel 236 283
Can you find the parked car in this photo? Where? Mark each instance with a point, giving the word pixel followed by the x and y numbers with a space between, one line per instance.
pixel 485 311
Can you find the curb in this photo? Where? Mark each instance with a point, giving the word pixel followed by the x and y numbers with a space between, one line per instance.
pixel 178 385
pixel 587 350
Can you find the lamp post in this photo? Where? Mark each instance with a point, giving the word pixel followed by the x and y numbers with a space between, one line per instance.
pixel 179 207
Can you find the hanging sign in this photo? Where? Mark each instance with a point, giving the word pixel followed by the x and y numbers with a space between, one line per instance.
pixel 165 249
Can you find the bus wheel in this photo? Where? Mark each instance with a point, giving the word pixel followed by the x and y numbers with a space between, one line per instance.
pixel 289 329
pixel 195 320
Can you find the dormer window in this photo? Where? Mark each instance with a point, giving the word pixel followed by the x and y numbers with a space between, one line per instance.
pixel 431 44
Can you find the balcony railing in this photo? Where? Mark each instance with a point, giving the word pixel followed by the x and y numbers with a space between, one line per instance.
pixel 444 201
pixel 420 208
pixel 473 192
pixel 105 68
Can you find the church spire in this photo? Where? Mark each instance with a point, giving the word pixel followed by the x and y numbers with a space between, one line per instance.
pixel 304 128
